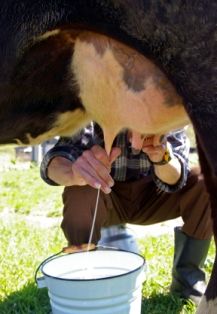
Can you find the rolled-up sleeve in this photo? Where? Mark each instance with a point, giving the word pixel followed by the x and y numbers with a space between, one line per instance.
pixel 180 145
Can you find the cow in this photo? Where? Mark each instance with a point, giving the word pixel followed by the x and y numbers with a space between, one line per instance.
pixel 64 63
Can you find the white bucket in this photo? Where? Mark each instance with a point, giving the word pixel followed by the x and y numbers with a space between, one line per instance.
pixel 112 283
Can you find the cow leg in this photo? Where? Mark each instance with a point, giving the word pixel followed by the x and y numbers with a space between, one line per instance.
pixel 208 304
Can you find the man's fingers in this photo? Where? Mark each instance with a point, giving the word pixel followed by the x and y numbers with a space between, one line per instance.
pixel 93 172
pixel 155 154
pixel 94 167
pixel 93 181
pixel 159 140
pixel 98 169
pixel 100 154
pixel 116 151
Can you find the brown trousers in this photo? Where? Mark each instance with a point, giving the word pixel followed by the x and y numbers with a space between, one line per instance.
pixel 137 202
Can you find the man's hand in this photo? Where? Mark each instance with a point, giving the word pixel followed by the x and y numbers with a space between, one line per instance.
pixel 155 147
pixel 92 167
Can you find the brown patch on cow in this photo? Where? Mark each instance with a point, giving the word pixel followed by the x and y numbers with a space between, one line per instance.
pixel 137 69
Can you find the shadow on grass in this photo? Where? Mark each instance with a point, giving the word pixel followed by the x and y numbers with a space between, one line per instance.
pixel 162 304
pixel 29 300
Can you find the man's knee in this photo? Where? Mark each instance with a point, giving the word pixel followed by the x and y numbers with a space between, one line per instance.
pixel 79 205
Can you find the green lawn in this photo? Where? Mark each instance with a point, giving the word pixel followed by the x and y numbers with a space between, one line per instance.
pixel 25 243
pixel 23 192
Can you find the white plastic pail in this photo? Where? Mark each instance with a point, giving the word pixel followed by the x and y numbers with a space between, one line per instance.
pixel 95 282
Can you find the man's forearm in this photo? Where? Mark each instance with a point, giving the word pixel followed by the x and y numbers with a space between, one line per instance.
pixel 60 171
pixel 169 173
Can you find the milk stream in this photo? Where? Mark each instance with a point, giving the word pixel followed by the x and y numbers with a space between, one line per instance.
pixel 89 271
pixel 94 219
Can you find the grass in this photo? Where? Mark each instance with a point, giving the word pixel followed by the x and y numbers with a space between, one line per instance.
pixel 23 192
pixel 23 247
pixel 24 244
pixel 158 252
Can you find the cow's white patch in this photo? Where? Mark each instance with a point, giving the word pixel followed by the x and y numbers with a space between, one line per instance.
pixel 111 103
pixel 207 307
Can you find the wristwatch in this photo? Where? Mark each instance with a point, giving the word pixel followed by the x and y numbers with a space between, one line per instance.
pixel 166 158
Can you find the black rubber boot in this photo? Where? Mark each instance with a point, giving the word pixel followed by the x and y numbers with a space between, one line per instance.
pixel 188 279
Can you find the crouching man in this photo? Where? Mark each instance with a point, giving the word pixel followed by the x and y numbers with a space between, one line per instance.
pixel 145 180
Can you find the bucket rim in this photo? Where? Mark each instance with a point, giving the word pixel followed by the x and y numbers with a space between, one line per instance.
pixel 92 279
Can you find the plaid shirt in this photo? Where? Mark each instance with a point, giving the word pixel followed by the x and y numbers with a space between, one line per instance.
pixel 128 166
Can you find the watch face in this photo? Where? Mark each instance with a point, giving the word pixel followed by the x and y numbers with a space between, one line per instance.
pixel 165 160
pixel 167 156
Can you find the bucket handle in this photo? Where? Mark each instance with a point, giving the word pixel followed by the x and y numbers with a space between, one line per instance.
pixel 40 281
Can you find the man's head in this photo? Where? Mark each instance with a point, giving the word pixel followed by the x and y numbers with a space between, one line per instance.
pixel 68 78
